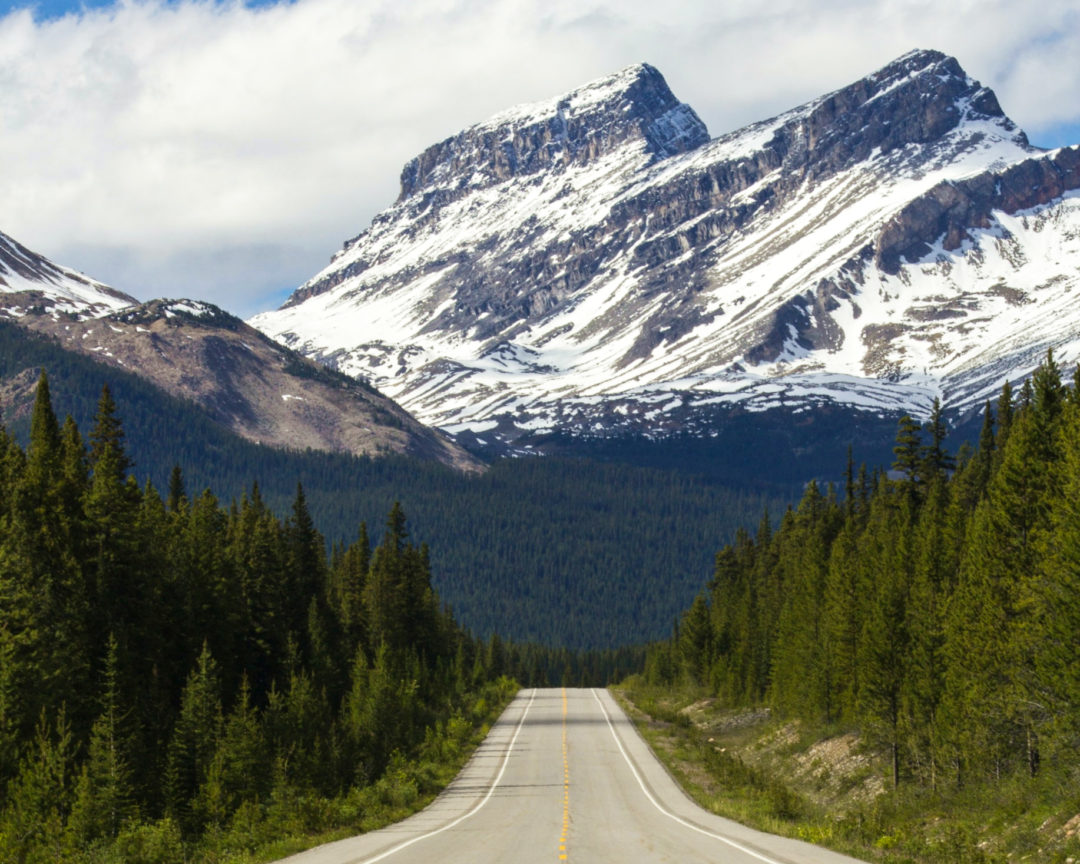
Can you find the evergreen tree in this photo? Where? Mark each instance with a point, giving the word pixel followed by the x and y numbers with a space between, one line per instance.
pixel 177 493
pixel 9 709
pixel 39 800
pixel 194 741
pixel 983 461
pixel 923 684
pixel 107 439
pixel 305 573
pixel 44 450
pixel 42 588
pixel 696 639
pixel 1057 657
pixel 936 461
pixel 846 594
pixel 240 768
pixel 1004 415
pixel 801 681
pixel 104 797
pixel 908 450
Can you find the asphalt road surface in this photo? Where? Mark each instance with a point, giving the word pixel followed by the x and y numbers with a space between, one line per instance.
pixel 564 777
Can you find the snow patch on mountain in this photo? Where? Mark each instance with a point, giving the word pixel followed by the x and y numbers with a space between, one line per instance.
pixel 607 280
pixel 27 279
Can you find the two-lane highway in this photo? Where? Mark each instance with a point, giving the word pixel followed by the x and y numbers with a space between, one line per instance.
pixel 564 777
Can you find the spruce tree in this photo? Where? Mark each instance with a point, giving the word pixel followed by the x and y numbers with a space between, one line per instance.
pixel 104 797
pixel 1058 593
pixel 936 460
pixel 846 596
pixel 177 493
pixel 107 439
pixel 45 599
pixel 39 800
pixel 909 461
pixel 923 684
pixel 1005 408
pixel 194 741
pixel 696 639
pixel 44 449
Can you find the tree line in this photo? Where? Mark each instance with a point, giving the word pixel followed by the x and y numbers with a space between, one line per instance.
pixel 936 607
pixel 557 551
pixel 172 662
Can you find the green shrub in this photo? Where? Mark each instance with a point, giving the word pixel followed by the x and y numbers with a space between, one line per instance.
pixel 151 843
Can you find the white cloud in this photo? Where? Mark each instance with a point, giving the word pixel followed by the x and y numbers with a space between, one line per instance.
pixel 222 152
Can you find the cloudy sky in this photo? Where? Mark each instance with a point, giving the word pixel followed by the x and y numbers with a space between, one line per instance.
pixel 223 150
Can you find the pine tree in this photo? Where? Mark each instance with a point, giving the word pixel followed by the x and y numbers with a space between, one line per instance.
pixel 923 685
pixel 993 664
pixel 107 439
pixel 177 493
pixel 936 461
pixel 74 484
pixel 44 450
pixel 306 567
pixel 104 797
pixel 348 577
pixel 846 594
pixel 10 715
pixel 39 800
pixel 801 681
pixel 43 596
pixel 1005 409
pixel 240 768
pixel 909 456
pixel 194 741
pixel 984 459
pixel 1058 594
pixel 883 646
pixel 696 639
pixel 115 571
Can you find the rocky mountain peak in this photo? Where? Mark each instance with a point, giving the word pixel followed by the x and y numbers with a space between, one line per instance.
pixel 921 98
pixel 28 280
pixel 634 106
pixel 592 263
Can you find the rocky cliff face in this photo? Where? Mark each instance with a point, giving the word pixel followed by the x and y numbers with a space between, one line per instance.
pixel 595 263
pixel 634 108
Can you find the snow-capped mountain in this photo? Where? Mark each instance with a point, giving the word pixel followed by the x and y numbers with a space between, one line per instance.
pixel 597 263
pixel 243 380
pixel 30 282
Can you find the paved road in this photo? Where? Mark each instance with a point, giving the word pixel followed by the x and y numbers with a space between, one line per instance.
pixel 564 776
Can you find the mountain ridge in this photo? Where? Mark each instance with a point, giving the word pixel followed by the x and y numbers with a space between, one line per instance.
pixel 650 291
pixel 241 379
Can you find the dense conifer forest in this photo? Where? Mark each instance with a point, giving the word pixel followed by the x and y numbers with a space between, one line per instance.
pixel 178 675
pixel 935 609
pixel 556 552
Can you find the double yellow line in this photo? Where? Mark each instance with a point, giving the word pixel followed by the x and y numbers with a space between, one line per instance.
pixel 566 784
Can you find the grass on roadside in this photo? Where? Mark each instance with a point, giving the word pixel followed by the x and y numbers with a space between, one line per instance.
pixel 825 787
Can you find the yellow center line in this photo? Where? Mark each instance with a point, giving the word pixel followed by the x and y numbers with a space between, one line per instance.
pixel 566 784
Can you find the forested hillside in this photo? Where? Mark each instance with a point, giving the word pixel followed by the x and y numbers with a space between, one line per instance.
pixel 935 609
pixel 563 552
pixel 179 677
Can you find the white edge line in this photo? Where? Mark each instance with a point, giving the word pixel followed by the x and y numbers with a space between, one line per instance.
pixel 464 816
pixel 666 812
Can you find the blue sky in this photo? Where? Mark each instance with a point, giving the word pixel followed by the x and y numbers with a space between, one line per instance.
pixel 52 8
pixel 45 10
pixel 224 150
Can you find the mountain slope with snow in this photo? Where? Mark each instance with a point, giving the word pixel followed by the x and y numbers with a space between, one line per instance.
pixel 243 380
pixel 30 282
pixel 596 263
